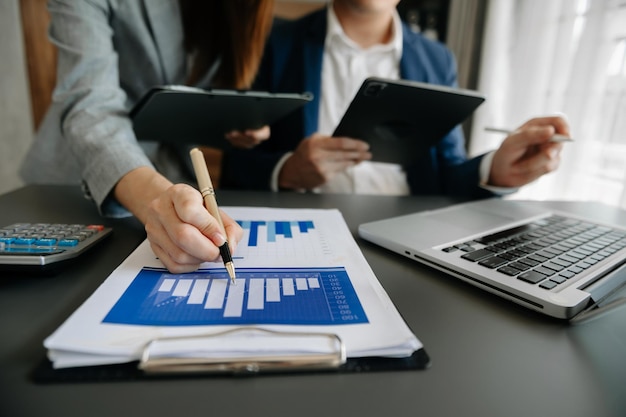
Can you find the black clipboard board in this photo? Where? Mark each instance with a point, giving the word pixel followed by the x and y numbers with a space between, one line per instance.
pixel 44 373
pixel 401 119
pixel 153 367
pixel 181 114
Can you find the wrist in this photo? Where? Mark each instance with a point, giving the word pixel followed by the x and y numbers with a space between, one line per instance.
pixel 275 184
pixel 138 188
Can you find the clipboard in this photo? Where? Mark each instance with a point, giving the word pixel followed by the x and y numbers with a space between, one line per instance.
pixel 153 365
pixel 402 119
pixel 179 114
pixel 280 318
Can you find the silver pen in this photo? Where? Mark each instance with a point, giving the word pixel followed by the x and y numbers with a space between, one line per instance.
pixel 555 138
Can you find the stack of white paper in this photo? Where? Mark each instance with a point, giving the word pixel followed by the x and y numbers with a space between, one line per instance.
pixel 297 271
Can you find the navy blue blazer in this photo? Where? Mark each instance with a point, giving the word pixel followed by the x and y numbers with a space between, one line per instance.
pixel 293 63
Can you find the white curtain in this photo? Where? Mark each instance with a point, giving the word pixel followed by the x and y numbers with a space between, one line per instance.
pixel 560 56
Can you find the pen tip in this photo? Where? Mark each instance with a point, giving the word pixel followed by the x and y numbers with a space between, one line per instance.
pixel 231 272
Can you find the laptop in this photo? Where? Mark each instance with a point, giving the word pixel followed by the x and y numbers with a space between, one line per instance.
pixel 553 262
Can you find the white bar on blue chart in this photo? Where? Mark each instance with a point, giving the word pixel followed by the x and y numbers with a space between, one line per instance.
pixel 288 288
pixel 182 288
pixel 167 285
pixel 256 294
pixel 198 291
pixel 272 290
pixel 313 283
pixel 215 299
pixel 234 301
pixel 301 284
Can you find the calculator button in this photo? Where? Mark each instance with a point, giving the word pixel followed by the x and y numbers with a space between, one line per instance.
pixel 55 235
pixel 24 240
pixel 45 241
pixel 40 246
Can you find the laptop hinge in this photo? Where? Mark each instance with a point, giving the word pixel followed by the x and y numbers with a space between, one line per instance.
pixel 601 292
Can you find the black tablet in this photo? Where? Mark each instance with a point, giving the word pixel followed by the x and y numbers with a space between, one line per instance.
pixel 400 119
pixel 180 114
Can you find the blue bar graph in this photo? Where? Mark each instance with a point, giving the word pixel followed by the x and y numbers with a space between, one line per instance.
pixel 290 296
pixel 274 229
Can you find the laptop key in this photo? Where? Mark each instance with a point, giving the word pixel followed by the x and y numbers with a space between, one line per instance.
pixel 493 262
pixel 562 262
pixel 548 285
pixel 576 269
pixel 485 240
pixel 509 271
pixel 477 255
pixel 554 266
pixel 531 277
pixel 545 271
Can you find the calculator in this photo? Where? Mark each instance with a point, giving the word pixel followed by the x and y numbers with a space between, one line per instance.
pixel 44 246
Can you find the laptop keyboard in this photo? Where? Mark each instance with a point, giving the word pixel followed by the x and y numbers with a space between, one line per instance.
pixel 546 252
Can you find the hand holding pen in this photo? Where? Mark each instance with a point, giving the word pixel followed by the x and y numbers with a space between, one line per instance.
pixel 208 194
pixel 555 138
pixel 529 152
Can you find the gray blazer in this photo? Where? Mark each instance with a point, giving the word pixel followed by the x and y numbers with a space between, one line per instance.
pixel 110 53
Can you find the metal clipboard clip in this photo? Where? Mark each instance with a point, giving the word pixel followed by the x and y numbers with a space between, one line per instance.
pixel 244 350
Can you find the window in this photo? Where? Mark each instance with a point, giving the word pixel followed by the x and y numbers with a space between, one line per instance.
pixel 570 57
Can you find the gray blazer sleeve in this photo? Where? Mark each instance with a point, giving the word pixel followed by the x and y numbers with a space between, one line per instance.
pixel 109 55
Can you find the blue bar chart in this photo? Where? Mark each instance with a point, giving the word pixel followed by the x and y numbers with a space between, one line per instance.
pixel 268 240
pixel 274 228
pixel 290 296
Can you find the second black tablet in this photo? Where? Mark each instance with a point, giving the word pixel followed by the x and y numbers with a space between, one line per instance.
pixel 400 119
pixel 179 114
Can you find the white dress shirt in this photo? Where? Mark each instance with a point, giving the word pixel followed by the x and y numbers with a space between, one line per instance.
pixel 345 66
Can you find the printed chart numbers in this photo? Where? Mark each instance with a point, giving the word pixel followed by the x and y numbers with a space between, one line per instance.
pixel 289 296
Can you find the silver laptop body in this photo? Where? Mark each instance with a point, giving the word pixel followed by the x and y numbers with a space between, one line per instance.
pixel 553 262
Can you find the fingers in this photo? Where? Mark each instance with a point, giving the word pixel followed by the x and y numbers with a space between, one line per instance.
pixel 248 139
pixel 541 130
pixel 343 143
pixel 559 123
pixel 181 231
pixel 318 158
pixel 524 157
pixel 529 153
pixel 529 169
pixel 342 150
pixel 234 232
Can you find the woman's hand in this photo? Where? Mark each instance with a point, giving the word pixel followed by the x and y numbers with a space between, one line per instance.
pixel 181 231
pixel 249 138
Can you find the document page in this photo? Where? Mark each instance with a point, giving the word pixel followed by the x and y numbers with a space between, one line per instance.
pixel 298 270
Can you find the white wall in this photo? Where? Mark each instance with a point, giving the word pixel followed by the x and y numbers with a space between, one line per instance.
pixel 16 131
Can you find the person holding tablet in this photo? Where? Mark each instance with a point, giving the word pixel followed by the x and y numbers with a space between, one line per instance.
pixel 112 52
pixel 330 53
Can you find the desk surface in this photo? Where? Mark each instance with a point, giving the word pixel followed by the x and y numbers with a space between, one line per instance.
pixel 489 356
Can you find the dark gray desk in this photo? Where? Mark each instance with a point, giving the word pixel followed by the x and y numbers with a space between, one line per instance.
pixel 489 357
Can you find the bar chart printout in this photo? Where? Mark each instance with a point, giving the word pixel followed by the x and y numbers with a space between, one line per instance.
pixel 276 240
pixel 289 296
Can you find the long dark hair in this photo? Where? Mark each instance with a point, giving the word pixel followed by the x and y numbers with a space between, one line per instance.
pixel 234 31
